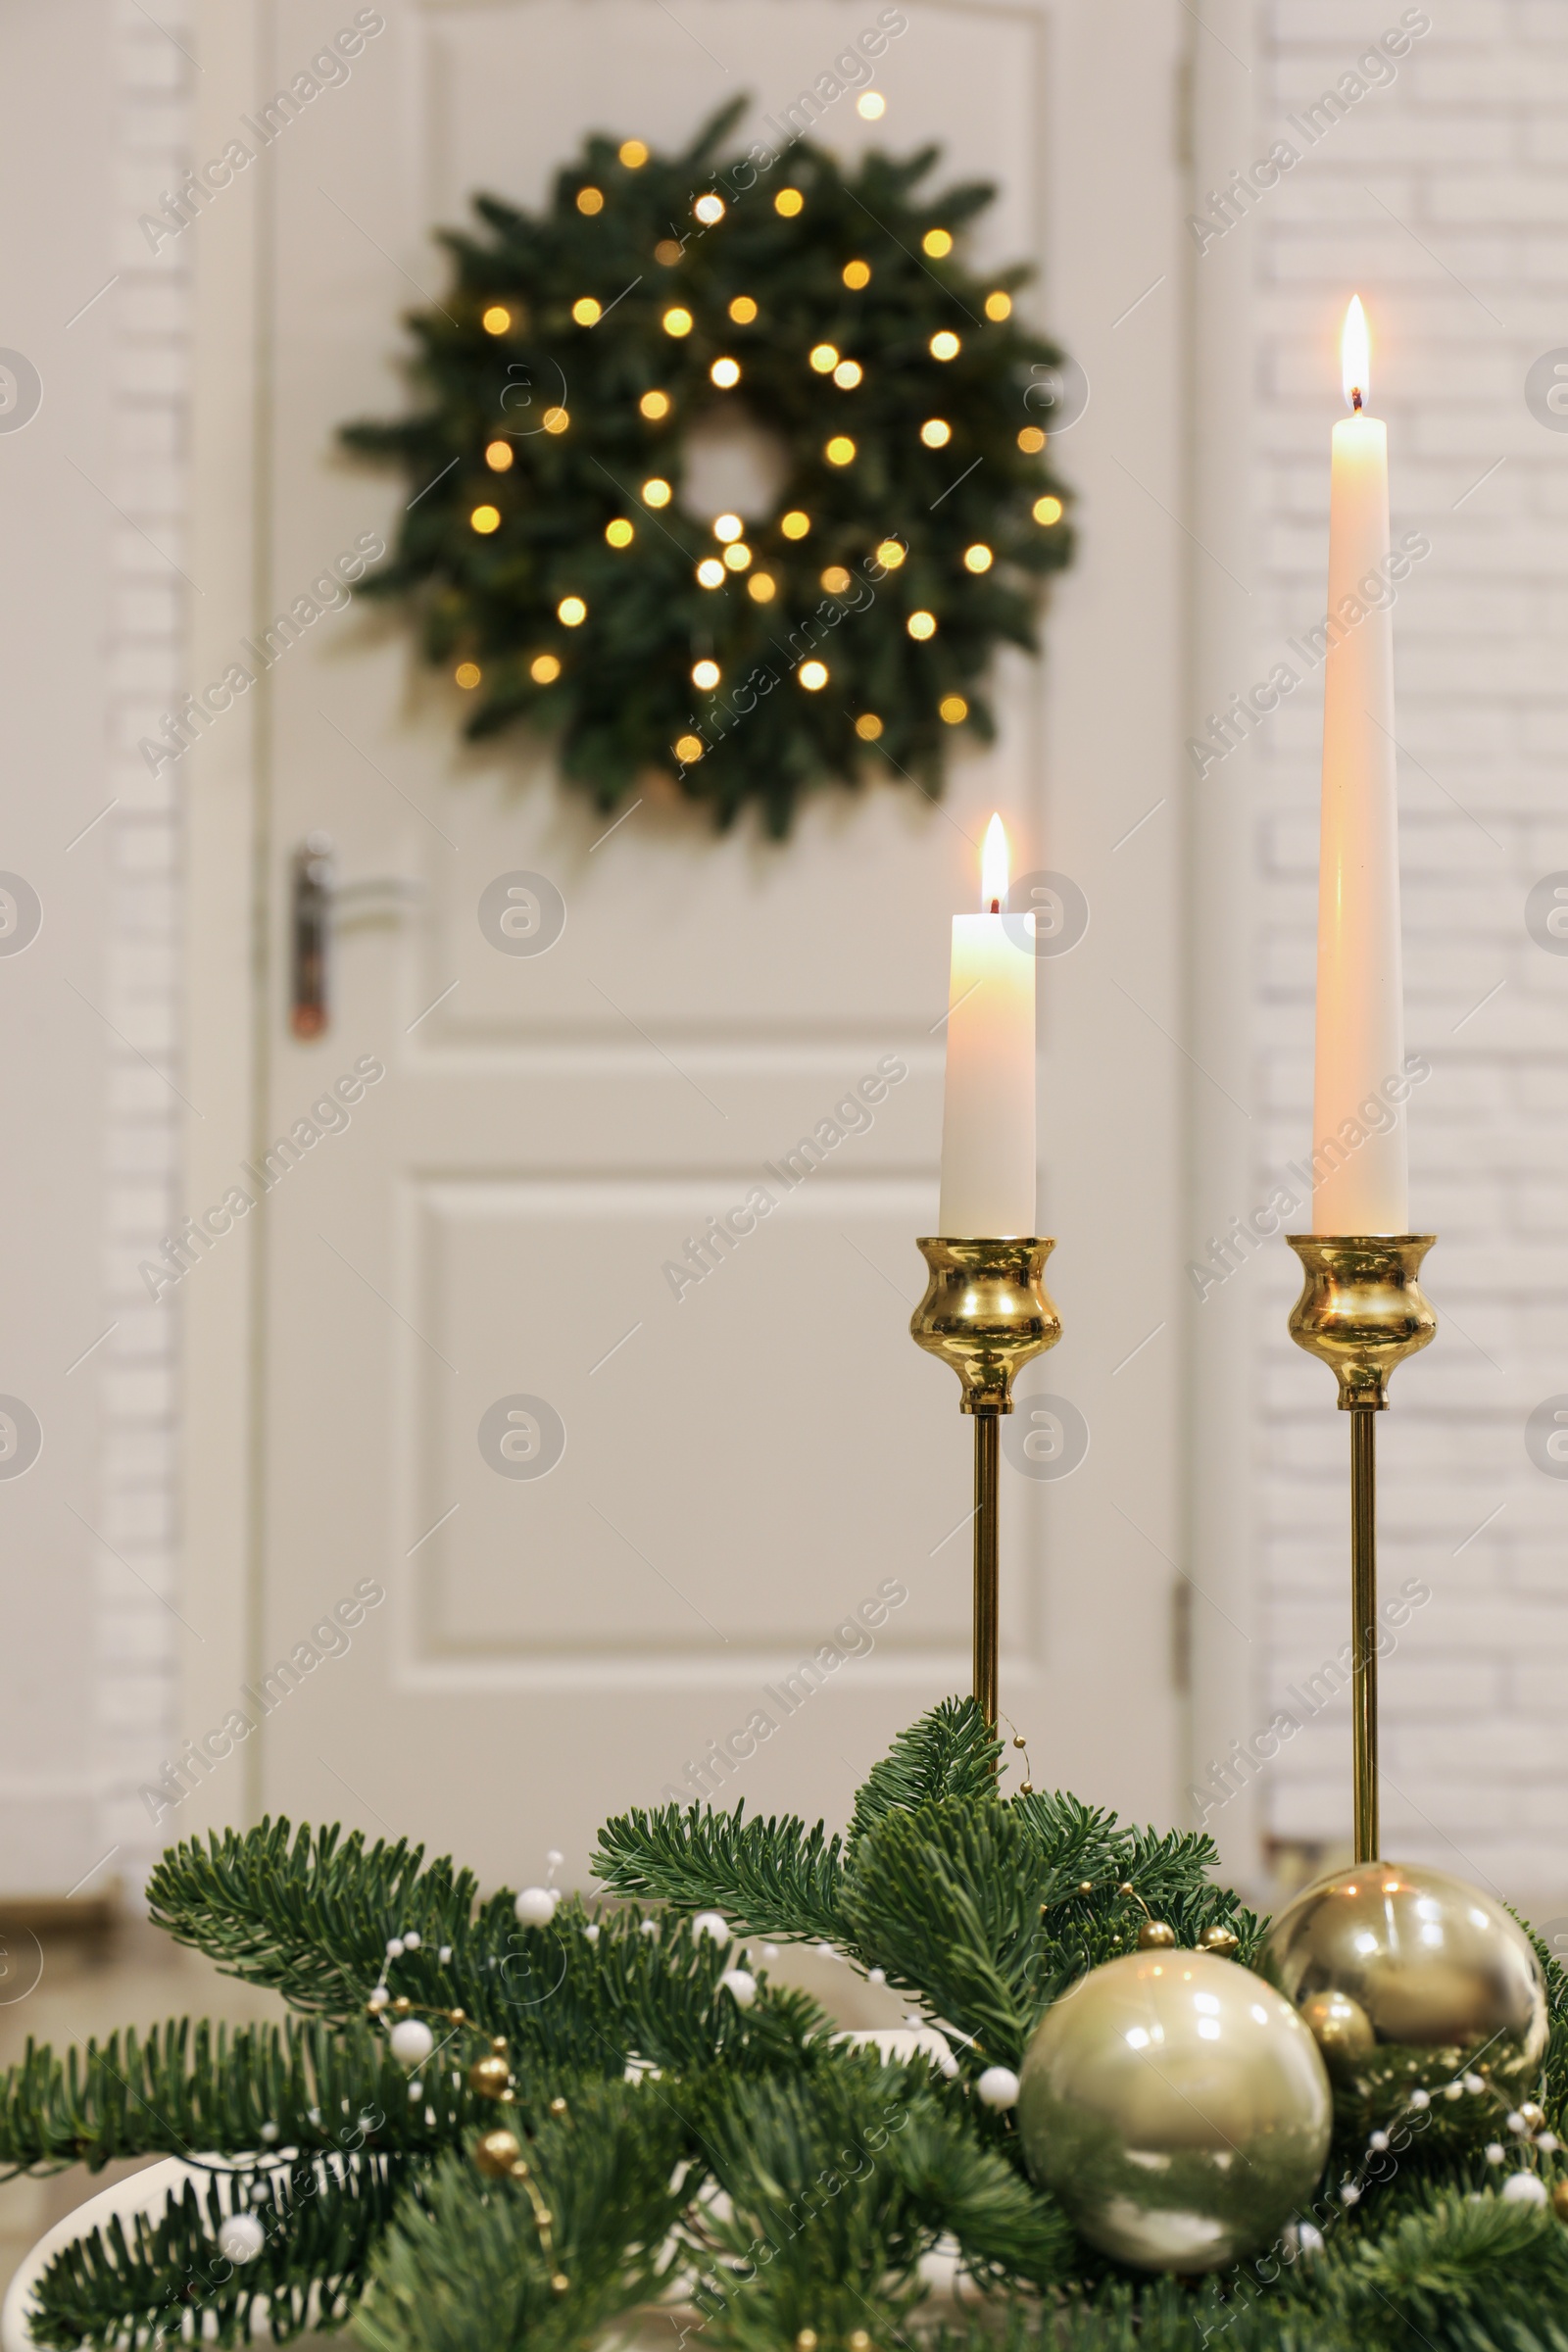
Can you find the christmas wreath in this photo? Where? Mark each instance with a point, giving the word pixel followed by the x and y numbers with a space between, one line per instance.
pixel 555 546
pixel 610 2106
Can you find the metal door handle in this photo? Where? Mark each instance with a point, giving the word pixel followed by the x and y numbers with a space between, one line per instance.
pixel 314 892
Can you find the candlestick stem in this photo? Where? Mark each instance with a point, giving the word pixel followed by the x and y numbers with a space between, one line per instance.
pixel 986 1570
pixel 1362 1312
pixel 1364 1627
pixel 986 1311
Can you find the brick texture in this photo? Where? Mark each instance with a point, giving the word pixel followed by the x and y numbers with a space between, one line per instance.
pixel 138 1633
pixel 1443 198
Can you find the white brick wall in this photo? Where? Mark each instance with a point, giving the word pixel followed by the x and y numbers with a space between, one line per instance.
pixel 1465 287
pixel 139 1637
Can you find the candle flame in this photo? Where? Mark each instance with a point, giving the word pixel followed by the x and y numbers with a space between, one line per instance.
pixel 1355 356
pixel 993 869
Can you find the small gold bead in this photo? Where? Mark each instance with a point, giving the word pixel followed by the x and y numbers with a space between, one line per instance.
pixel 488 2077
pixel 1155 1937
pixel 402 2005
pixel 558 2106
pixel 1559 2200
pixel 1019 1740
pixel 457 2017
pixel 498 2044
pixel 1220 1941
pixel 1086 1885
pixel 1533 2116
pixel 559 2283
pixel 860 2340
pixel 520 2171
pixel 542 2218
pixel 1126 1887
pixel 806 2340
pixel 497 2153
pixel 1027 1787
pixel 509 2099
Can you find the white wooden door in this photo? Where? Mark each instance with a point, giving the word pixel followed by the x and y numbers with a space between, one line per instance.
pixel 467 1266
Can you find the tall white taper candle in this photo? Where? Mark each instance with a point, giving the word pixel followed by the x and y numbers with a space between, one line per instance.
pixel 988 1114
pixel 1358 1136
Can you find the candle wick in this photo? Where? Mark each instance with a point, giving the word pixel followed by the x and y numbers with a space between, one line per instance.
pixel 1355 398
pixel 995 906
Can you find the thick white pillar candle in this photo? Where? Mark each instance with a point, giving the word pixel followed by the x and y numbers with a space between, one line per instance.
pixel 987 1115
pixel 1360 1153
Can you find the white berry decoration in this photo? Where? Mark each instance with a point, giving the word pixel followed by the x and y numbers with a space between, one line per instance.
pixel 241 2238
pixel 997 2087
pixel 1525 2188
pixel 741 1986
pixel 535 1906
pixel 713 1925
pixel 411 2041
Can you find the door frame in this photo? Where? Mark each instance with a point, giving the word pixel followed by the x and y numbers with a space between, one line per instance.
pixel 229 851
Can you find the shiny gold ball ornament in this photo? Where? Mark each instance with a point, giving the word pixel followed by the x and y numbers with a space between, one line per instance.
pixel 1178 2107
pixel 1221 1940
pixel 1407 1979
pixel 496 2153
pixel 489 2077
pixel 1156 1936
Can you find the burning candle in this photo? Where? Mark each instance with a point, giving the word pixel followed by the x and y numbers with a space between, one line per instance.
pixel 1360 1179
pixel 988 1117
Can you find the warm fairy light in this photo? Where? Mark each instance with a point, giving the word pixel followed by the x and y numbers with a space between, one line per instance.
pixel 794 525
pixel 835 579
pixel 705 676
pixel 868 726
pixel 710 573
pixel 936 432
pixel 938 243
pixel 840 450
pixel 466 675
pixel 738 557
pixel 944 345
pixel 688 749
pixel 1031 440
pixel 1355 356
pixel 857 275
pixel 993 869
pixel 571 610
pixel 847 374
pixel 590 200
pixel 667 252
pixel 656 493
pixel 870 106
pixel 709 210
pixel 977 557
pixel 813 676
pixel 633 154
pixel 1047 510
pixel 921 625
pixel 743 309
pixel 891 554
pixel 554 421
pixel 486 519
pixel 586 311
pixel 998 305
pixel 677 321
pixel 825 358
pixel 497 319
pixel 727 527
pixel 544 669
pixel 761 587
pixel 788 202
pixel 655 405
pixel 954 711
pixel 619 533
pixel 726 374
pixel 497 457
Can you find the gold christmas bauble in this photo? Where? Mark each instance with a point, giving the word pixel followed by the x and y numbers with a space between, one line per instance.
pixel 1409 1980
pixel 497 2152
pixel 1177 2107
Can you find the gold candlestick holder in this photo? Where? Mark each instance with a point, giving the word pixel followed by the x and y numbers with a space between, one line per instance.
pixel 1362 1311
pixel 986 1311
